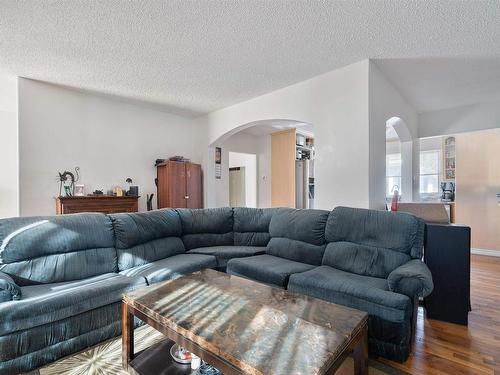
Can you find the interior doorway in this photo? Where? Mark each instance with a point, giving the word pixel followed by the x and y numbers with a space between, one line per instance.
pixel 393 161
pixel 242 179
pixel 266 167
pixel 237 189
pixel 399 160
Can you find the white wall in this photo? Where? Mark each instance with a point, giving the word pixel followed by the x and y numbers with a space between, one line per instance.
pixel 245 143
pixel 249 162
pixel 108 139
pixel 407 171
pixel 264 172
pixel 336 104
pixel 9 159
pixel 460 119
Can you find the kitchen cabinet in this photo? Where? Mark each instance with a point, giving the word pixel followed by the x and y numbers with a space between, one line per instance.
pixel 283 168
pixel 292 169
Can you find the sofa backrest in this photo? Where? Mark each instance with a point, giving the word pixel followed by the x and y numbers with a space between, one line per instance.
pixel 371 242
pixel 206 227
pixel 49 249
pixel 251 226
pixel 145 237
pixel 298 235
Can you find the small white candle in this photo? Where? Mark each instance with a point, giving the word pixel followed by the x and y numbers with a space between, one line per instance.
pixel 195 362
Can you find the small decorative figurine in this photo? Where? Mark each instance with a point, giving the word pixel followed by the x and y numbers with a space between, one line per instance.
pixel 149 201
pixel 67 182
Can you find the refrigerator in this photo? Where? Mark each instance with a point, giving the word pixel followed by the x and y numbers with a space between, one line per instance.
pixel 304 183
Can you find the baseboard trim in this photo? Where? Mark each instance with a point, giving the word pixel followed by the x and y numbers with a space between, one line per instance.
pixel 490 253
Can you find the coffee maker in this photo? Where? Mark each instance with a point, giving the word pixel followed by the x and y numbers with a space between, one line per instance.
pixel 448 191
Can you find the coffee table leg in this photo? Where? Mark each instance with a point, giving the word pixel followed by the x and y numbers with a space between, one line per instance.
pixel 127 336
pixel 360 354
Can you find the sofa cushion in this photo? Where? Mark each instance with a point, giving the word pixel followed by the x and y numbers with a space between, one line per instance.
pixel 206 227
pixel 144 237
pixel 225 253
pixel 363 260
pixel 171 268
pixel 394 231
pixel 266 268
pixel 46 303
pixel 370 242
pixel 306 225
pixel 50 249
pixel 364 293
pixel 298 235
pixel 251 226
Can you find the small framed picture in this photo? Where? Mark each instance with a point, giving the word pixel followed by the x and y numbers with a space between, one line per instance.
pixel 218 155
pixel 218 162
pixel 79 190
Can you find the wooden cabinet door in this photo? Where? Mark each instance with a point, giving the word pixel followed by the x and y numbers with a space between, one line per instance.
pixel 171 187
pixel 177 184
pixel 283 168
pixel 162 186
pixel 194 183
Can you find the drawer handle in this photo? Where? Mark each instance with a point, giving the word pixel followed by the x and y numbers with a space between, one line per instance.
pixel 186 197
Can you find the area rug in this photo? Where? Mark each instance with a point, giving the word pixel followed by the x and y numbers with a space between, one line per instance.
pixel 105 359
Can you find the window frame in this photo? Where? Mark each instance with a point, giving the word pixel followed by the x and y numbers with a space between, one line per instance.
pixel 433 195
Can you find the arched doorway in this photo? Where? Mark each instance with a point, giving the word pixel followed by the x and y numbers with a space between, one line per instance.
pixel 399 160
pixel 249 166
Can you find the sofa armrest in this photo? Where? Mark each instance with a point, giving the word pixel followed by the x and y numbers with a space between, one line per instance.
pixel 412 279
pixel 9 290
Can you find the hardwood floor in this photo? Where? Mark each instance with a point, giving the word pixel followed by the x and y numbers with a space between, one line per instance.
pixel 445 348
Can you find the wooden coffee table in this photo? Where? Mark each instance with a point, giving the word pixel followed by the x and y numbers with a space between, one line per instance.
pixel 242 327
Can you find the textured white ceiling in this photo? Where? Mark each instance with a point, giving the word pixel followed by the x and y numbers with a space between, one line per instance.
pixel 197 56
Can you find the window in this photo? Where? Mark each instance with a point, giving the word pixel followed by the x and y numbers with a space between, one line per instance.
pixel 392 174
pixel 429 174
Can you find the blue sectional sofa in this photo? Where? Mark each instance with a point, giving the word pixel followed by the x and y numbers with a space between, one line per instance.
pixel 62 277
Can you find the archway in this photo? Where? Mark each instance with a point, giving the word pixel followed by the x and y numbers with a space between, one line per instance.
pixel 272 124
pixel 253 141
pixel 399 159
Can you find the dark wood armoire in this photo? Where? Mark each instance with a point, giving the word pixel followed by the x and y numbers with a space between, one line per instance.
pixel 179 185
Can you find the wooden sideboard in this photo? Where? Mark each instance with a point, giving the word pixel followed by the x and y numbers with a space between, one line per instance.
pixel 104 204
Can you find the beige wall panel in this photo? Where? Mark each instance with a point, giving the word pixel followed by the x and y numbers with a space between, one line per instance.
pixel 478 181
pixel 283 169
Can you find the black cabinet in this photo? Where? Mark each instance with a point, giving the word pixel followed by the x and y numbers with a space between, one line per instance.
pixel 447 254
